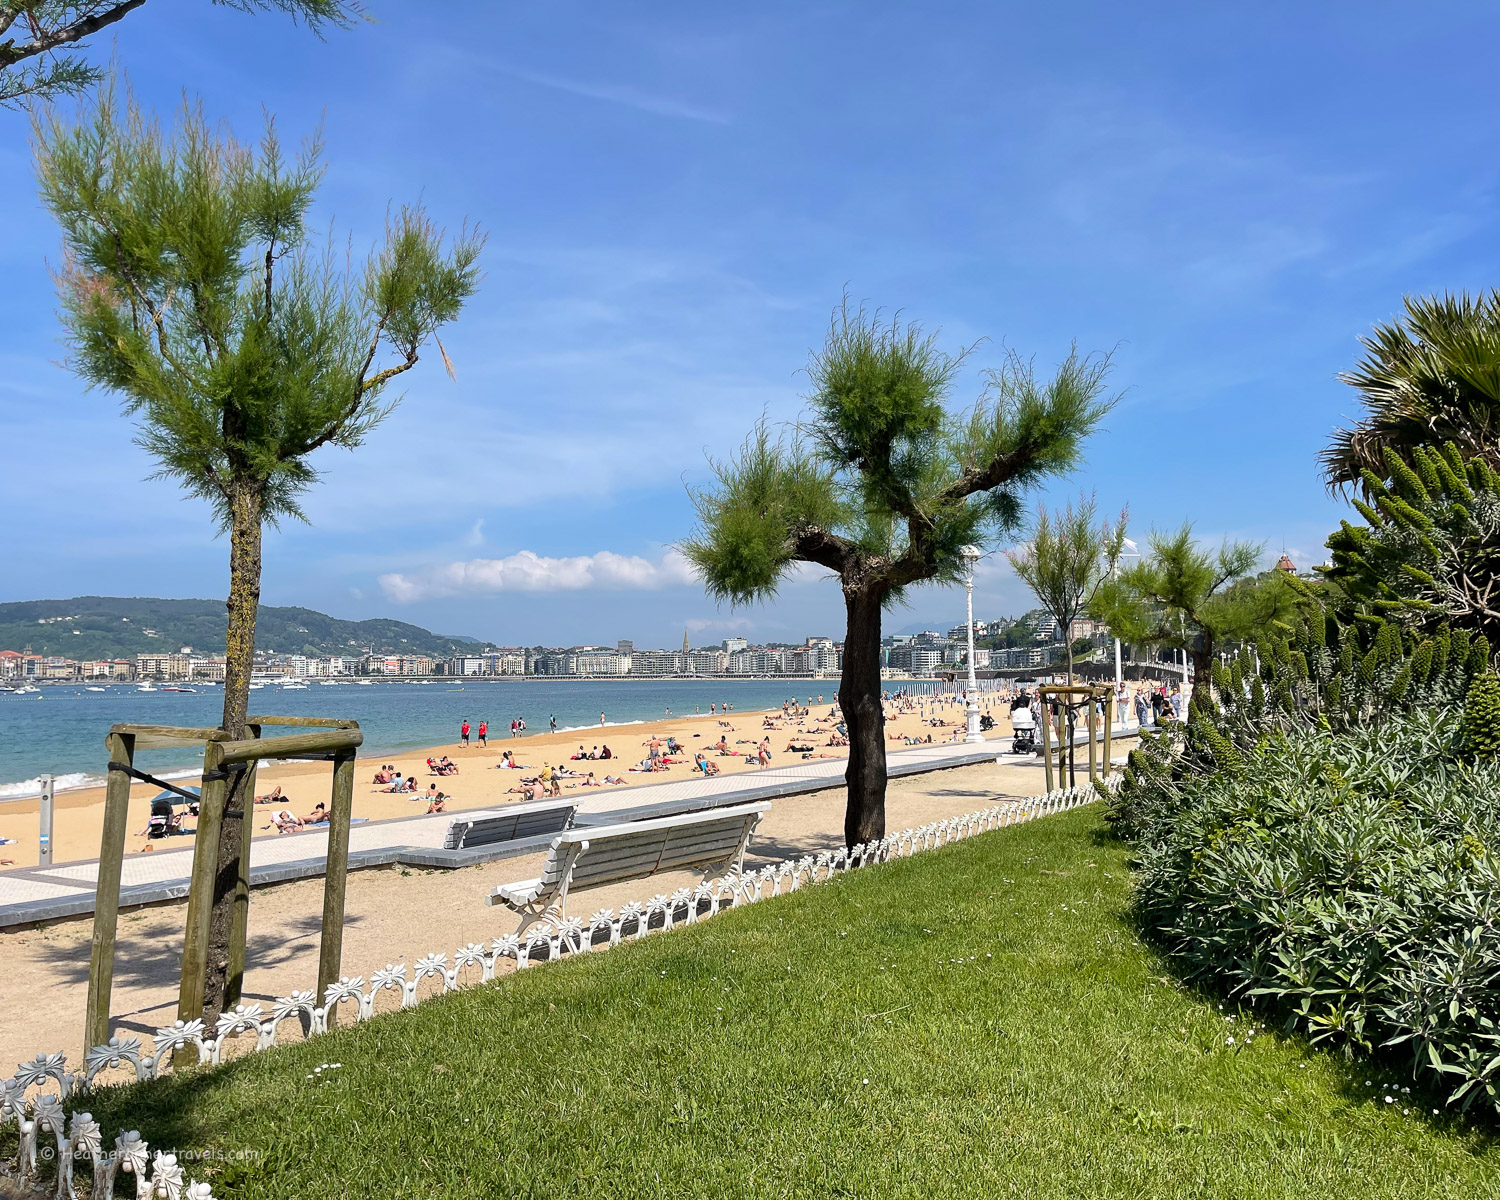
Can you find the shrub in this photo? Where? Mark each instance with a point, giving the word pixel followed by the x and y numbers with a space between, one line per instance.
pixel 1328 846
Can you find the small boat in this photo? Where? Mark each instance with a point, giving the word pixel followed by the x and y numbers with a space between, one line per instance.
pixel 366 683
pixel 294 687
pixel 179 689
pixel 147 687
pixel 27 690
pixel 255 687
pixel 93 689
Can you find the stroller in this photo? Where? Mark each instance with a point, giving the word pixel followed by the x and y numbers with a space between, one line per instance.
pixel 165 820
pixel 1023 731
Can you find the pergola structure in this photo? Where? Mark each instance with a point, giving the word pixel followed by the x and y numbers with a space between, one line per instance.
pixel 327 739
pixel 1091 694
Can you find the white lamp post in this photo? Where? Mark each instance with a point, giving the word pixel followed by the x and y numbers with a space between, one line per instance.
pixel 1134 552
pixel 971 557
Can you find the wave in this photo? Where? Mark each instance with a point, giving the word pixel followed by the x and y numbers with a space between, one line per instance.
pixel 73 781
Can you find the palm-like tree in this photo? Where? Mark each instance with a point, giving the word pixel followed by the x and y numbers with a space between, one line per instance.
pixel 1431 377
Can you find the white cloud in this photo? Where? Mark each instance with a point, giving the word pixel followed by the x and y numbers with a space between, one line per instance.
pixel 527 571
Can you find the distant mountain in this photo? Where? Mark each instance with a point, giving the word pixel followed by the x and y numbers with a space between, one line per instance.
pixel 116 627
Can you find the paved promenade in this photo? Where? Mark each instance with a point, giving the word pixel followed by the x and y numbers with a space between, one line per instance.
pixel 32 894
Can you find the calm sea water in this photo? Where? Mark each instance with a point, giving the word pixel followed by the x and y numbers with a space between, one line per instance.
pixel 60 730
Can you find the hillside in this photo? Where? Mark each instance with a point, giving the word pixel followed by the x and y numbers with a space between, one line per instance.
pixel 116 627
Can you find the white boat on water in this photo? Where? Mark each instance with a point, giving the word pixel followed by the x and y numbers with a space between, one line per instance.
pixel 27 690
pixel 93 689
pixel 294 687
pixel 147 687
pixel 366 683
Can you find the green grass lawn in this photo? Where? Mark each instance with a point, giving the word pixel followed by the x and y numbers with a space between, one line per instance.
pixel 978 1021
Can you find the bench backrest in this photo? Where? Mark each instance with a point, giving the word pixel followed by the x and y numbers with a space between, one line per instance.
pixel 637 849
pixel 488 826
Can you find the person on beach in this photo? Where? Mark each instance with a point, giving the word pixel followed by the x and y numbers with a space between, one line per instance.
pixel 318 816
pixel 463 733
pixel 606 753
pixel 513 727
pixel 437 804
pixel 554 723
pixel 484 733
pixel 601 718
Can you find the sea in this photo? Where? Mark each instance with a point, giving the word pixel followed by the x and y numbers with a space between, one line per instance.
pixel 60 729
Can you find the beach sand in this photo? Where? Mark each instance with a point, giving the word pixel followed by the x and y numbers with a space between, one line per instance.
pixel 397 915
pixel 79 815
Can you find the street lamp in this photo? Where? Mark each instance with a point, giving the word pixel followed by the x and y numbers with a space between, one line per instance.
pixel 970 556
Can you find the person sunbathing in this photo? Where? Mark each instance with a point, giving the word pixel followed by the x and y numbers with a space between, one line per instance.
pixel 272 797
pixel 318 816
pixel 794 747
pixel 397 784
pixel 614 780
pixel 382 776
pixel 508 762
pixel 286 821
pixel 437 804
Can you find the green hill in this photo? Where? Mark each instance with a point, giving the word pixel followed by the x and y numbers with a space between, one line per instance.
pixel 118 627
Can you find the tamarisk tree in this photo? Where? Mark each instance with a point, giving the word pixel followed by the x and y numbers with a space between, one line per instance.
pixel 189 288
pixel 883 486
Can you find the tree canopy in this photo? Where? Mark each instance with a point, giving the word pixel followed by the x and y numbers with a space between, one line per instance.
pixel 1430 377
pixel 1184 595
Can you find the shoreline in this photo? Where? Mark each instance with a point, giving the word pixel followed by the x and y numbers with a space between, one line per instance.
pixel 78 819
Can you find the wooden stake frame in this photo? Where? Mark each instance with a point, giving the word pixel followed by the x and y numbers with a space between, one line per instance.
pixel 1103 692
pixel 330 738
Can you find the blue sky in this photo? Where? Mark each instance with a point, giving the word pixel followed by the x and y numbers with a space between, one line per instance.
pixel 677 194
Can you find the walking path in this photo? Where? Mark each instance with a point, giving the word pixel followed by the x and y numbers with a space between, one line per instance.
pixel 32 894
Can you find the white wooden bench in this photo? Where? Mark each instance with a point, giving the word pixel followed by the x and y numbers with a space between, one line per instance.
pixel 604 854
pixel 488 826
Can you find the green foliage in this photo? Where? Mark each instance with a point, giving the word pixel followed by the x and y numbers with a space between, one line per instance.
pixel 50 64
pixel 1332 856
pixel 1432 376
pixel 1187 596
pixel 1433 557
pixel 884 484
pixel 191 289
pixel 1480 726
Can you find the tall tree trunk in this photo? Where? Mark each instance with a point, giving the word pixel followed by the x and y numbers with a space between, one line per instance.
pixel 1203 664
pixel 859 700
pixel 239 660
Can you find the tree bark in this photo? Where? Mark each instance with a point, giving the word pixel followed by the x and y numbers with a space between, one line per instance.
pixel 859 700
pixel 246 510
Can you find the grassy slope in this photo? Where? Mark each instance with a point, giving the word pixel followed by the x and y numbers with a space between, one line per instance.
pixel 853 1039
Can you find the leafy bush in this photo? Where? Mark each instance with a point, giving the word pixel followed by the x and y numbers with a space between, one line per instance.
pixel 1327 844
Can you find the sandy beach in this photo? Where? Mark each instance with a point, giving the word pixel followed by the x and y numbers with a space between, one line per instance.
pixel 79 815
pixel 397 916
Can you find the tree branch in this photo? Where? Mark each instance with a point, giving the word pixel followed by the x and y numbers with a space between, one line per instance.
pixel 45 41
pixel 814 544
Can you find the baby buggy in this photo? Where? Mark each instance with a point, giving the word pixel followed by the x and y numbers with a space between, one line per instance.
pixel 1023 731
pixel 165 820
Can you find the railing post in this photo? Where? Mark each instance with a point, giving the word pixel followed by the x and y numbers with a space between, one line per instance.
pixel 121 748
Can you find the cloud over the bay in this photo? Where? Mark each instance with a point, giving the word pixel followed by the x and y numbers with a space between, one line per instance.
pixel 527 571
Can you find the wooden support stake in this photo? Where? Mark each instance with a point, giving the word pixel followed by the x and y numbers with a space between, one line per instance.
pixel 121 747
pixel 336 876
pixel 1093 722
pixel 201 886
pixel 1046 724
pixel 239 930
pixel 1109 729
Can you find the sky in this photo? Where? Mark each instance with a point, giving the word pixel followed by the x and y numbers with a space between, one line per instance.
pixel 676 196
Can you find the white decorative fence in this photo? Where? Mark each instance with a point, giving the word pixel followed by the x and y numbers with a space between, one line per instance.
pixel 39 1112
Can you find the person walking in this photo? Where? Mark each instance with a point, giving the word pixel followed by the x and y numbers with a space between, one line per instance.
pixel 554 723
pixel 484 733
